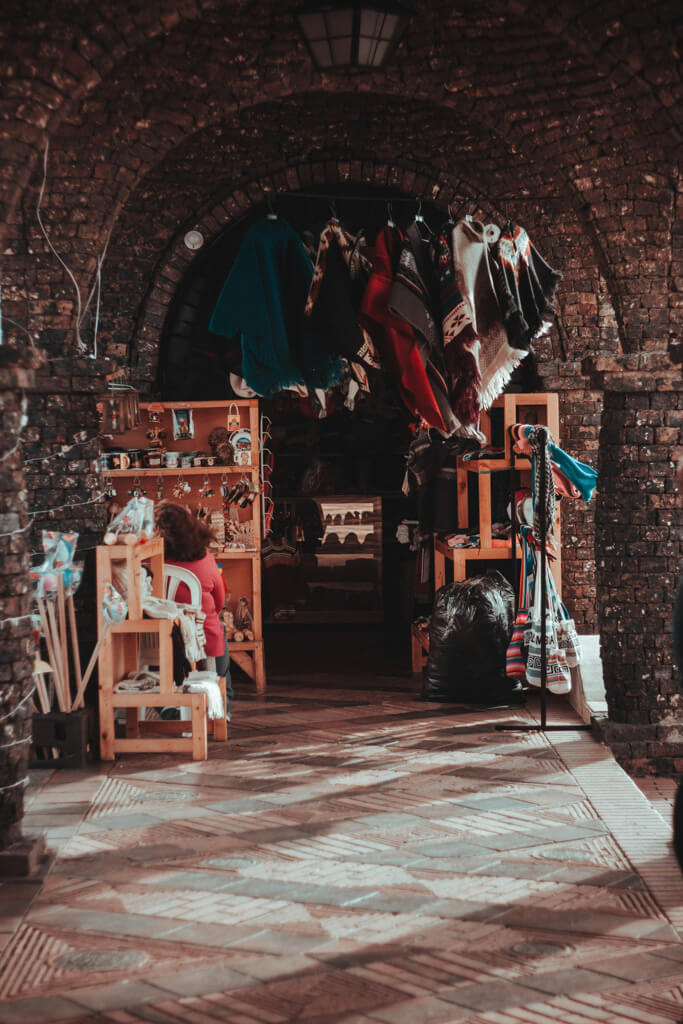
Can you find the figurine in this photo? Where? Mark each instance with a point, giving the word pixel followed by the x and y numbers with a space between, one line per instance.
pixel 244 622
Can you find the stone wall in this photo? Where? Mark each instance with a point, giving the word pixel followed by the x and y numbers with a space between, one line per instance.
pixel 639 543
pixel 16 640
pixel 171 115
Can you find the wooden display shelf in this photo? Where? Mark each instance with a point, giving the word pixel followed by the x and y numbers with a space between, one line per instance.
pixel 184 470
pixel 541 407
pixel 493 465
pixel 242 568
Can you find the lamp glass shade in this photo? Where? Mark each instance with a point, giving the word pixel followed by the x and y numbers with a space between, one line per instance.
pixel 355 34
pixel 339 23
pixel 321 52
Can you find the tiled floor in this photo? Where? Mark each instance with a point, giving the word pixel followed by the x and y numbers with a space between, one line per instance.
pixel 351 858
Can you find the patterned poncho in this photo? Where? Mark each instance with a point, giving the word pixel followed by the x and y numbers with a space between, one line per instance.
pixel 497 359
pixel 414 298
pixel 394 338
pixel 525 286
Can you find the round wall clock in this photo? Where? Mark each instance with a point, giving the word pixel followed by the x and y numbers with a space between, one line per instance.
pixel 194 240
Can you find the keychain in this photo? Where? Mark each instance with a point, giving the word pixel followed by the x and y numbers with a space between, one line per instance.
pixel 206 490
pixel 109 489
pixel 160 488
pixel 181 487
pixel 137 490
pixel 225 490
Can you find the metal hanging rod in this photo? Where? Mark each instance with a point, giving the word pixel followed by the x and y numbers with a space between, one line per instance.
pixel 272 197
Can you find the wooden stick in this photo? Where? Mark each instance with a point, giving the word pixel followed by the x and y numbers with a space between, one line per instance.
pixel 48 640
pixel 64 650
pixel 74 642
pixel 41 690
pixel 62 684
pixel 78 699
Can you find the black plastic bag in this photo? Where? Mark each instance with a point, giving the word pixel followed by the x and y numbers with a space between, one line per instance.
pixel 469 633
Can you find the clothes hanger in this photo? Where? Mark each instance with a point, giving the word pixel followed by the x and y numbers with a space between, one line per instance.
pixel 451 216
pixel 420 221
pixel 390 216
pixel 271 215
pixel 333 212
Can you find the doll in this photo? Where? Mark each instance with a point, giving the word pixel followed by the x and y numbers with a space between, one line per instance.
pixel 244 622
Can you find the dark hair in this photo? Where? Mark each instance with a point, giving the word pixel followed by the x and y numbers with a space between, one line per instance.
pixel 186 538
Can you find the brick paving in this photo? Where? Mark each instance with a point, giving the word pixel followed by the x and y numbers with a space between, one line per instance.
pixel 351 857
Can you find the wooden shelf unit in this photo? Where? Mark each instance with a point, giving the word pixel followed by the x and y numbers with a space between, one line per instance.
pixel 243 577
pixel 544 408
pixel 118 656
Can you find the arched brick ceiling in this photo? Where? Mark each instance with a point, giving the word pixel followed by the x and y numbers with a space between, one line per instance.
pixel 473 51
pixel 576 97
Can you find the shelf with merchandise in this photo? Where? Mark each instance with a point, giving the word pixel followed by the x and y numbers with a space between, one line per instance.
pixel 175 470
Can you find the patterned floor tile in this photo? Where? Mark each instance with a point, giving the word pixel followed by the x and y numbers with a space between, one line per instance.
pixel 353 857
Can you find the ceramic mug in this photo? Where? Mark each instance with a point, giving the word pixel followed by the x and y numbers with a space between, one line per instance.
pixel 171 459
pixel 120 460
pixel 154 459
pixel 135 455
pixel 186 461
pixel 105 461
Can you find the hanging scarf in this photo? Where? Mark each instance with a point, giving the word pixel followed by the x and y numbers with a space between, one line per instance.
pixel 412 299
pixel 461 347
pixel 394 337
pixel 497 359
pixel 542 475
pixel 525 286
pixel 573 478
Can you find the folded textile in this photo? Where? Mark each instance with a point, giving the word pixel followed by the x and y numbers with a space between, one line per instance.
pixel 141 682
pixel 206 682
pixel 497 358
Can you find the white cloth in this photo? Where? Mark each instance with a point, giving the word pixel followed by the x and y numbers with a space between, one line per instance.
pixel 207 682
pixel 190 620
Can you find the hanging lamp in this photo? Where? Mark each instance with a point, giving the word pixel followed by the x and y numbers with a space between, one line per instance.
pixel 352 34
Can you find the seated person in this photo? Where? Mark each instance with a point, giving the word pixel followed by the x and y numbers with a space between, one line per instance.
pixel 186 543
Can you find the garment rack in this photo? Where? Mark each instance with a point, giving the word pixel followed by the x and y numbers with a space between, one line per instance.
pixel 542 540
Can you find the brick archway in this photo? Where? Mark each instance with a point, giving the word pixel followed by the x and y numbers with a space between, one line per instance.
pixel 216 217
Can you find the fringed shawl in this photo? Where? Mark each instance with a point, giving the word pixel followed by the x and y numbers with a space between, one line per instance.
pixel 461 347
pixel 263 301
pixel 497 359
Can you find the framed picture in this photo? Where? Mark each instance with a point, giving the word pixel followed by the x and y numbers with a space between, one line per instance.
pixel 183 426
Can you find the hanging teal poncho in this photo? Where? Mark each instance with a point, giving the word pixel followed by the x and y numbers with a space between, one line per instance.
pixel 263 300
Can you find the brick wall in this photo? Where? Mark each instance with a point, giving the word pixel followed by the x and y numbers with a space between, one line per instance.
pixel 173 115
pixel 639 552
pixel 16 642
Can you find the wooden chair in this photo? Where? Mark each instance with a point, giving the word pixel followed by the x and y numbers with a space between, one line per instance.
pixel 119 657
